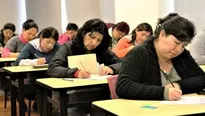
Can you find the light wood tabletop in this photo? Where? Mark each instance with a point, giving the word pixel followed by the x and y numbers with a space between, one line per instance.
pixel 7 59
pixel 203 67
pixel 58 83
pixel 122 107
pixel 20 69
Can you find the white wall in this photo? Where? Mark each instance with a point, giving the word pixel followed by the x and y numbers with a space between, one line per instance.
pixel 193 10
pixel 79 11
pixel 45 13
pixel 107 10
pixel 136 11
pixel 12 11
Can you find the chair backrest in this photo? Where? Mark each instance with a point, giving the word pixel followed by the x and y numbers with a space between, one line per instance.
pixel 112 84
pixel 110 25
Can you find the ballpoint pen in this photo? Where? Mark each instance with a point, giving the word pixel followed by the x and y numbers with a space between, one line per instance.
pixel 167 77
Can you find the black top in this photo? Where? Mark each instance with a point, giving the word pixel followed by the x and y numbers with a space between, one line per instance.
pixel 58 67
pixel 140 74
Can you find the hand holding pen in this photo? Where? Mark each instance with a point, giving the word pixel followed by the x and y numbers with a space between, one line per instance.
pixel 41 61
pixel 83 73
pixel 174 91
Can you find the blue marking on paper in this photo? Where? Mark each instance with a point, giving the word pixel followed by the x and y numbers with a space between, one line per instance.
pixel 149 107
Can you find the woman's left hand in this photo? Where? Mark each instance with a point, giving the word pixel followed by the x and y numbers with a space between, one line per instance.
pixel 106 70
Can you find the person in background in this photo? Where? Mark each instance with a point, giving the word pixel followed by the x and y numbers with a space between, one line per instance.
pixel 93 37
pixel 137 37
pixel 16 43
pixel 70 33
pixel 37 52
pixel 117 32
pixel 161 68
pixel 41 50
pixel 6 33
pixel 197 48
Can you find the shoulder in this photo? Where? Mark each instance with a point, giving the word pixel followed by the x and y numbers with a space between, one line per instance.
pixel 14 38
pixel 66 48
pixel 125 39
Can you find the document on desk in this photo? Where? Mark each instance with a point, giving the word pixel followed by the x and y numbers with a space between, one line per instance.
pixel 92 77
pixel 98 77
pixel 187 100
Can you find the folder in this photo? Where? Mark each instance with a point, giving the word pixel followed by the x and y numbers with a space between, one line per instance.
pixel 84 62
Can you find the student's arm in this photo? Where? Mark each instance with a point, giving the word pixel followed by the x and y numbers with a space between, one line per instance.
pixel 58 67
pixel 10 49
pixel 120 49
pixel 23 58
pixel 129 84
pixel 196 82
pixel 112 61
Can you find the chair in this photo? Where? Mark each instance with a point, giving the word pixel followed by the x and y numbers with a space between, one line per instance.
pixel 112 84
pixel 110 25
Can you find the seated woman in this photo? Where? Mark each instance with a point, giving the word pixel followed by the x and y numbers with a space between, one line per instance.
pixel 70 33
pixel 37 52
pixel 197 48
pixel 6 33
pixel 137 37
pixel 117 32
pixel 16 43
pixel 148 71
pixel 93 37
pixel 41 50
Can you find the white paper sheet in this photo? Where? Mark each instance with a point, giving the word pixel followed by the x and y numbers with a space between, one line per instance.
pixel 187 100
pixel 93 77
pixel 97 77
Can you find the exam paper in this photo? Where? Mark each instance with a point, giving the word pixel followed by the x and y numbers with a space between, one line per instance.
pixel 187 100
pixel 98 77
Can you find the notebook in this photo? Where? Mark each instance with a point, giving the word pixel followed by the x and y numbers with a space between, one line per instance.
pixel 84 62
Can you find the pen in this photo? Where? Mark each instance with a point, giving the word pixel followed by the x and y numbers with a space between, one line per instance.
pixel 68 79
pixel 166 76
pixel 81 64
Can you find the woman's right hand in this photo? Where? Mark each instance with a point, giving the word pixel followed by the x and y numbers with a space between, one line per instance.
pixel 174 94
pixel 41 61
pixel 84 74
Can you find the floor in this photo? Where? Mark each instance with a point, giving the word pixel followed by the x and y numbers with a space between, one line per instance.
pixel 6 112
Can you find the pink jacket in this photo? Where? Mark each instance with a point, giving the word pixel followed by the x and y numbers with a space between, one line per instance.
pixel 63 38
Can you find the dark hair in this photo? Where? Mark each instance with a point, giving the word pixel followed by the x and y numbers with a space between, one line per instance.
pixel 49 32
pixel 10 26
pixel 72 26
pixel 179 27
pixel 141 27
pixel 29 23
pixel 93 25
pixel 123 27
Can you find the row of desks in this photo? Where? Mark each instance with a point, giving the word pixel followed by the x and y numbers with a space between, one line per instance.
pixel 116 107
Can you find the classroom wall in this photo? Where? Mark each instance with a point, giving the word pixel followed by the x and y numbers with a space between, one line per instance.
pixel 193 10
pixel 107 10
pixel 136 11
pixel 12 11
pixel 79 11
pixel 45 13
pixel 48 12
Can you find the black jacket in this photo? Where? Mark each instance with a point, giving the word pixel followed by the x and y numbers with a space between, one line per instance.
pixel 140 77
pixel 58 67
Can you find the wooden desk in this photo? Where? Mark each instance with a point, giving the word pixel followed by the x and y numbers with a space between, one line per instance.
pixel 122 107
pixel 62 86
pixel 203 67
pixel 19 72
pixel 5 60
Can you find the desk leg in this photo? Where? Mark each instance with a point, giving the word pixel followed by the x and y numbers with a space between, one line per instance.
pixel 21 96
pixel 63 103
pixel 13 98
pixel 47 105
